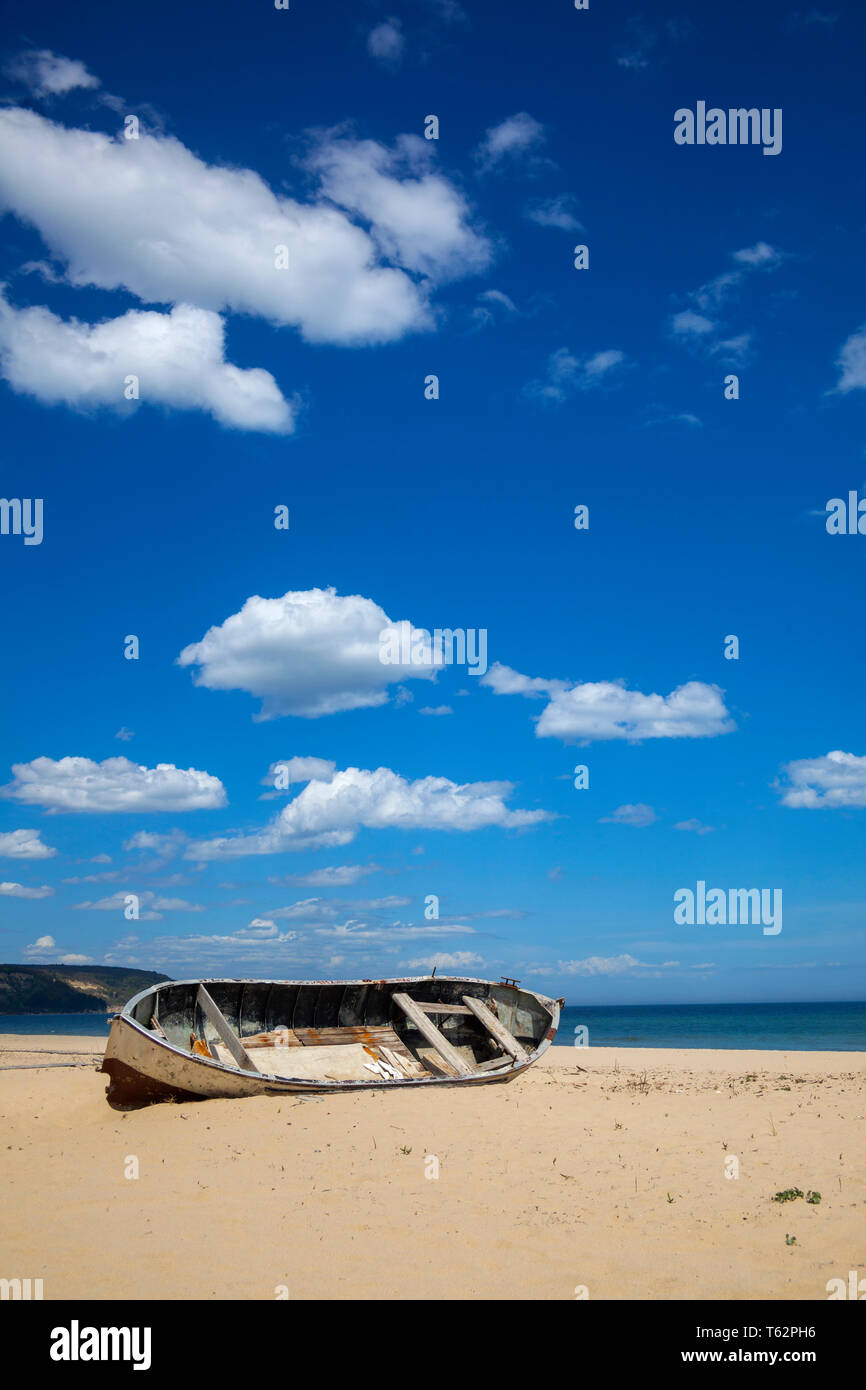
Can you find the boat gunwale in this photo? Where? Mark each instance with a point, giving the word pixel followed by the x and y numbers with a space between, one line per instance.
pixel 510 1066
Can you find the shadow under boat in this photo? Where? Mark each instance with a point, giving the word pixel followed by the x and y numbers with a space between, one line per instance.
pixel 198 1039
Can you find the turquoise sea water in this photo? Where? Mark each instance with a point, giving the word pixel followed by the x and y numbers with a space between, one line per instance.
pixel 776 1027
pixel 73 1025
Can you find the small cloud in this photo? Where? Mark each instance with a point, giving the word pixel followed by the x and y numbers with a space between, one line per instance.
pixel 688 324
pixel 49 74
pixel 511 141
pixel 436 709
pixel 24 844
pixel 124 734
pixel 638 815
pixel 386 42
pixel 852 362
pixel 19 890
pixel 567 374
pixel 73 959
pixel 695 825
pixel 555 212
pixel 454 960
pixel 759 254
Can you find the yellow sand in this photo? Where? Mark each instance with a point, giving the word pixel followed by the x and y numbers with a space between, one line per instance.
pixel 597 1168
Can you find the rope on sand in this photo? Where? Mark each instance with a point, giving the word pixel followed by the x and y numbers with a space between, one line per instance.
pixel 49 1051
pixel 41 1066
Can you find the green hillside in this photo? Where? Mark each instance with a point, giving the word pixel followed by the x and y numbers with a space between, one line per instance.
pixel 70 989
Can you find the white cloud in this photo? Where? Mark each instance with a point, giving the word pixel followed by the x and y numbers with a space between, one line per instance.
pixel 331 813
pixel 417 218
pixel 80 784
pixel 178 358
pixel 334 876
pixel 443 960
pixel 153 904
pixel 72 958
pixel 608 965
pixel 852 362
pixel 164 845
pixel 607 710
pixel 311 652
pixel 761 254
pixel 555 212
pixel 835 780
pixel 697 826
pixel 293 770
pixel 513 138
pixel 567 373
pixel 638 815
pixel 24 844
pixel 172 229
pixel 436 709
pixel 18 890
pixel 41 945
pixel 688 324
pixel 49 74
pixel 386 42
pixel 125 734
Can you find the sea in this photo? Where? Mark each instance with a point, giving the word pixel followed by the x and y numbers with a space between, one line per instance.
pixel 771 1027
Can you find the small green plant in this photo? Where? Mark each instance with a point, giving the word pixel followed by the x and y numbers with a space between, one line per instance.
pixel 790 1194
pixel 670 1198
pixel 790 1240
pixel 404 1150
pixel 813 1198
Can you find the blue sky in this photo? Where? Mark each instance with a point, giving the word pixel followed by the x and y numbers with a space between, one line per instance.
pixel 304 387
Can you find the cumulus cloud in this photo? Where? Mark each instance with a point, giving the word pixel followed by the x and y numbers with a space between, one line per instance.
pixel 178 359
pixel 444 960
pixel 80 784
pixel 835 780
pixel 174 229
pixel 18 890
pixel 311 652
pixel 694 825
pixel 597 710
pixel 41 946
pixel 638 815
pixel 332 813
pixel 567 374
pixel 24 844
pixel 417 218
pixel 289 770
pixel 48 74
pixel 386 42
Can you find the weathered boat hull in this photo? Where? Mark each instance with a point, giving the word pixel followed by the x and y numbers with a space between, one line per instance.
pixel 149 1058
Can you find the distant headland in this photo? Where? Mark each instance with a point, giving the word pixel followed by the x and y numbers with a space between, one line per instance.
pixel 70 989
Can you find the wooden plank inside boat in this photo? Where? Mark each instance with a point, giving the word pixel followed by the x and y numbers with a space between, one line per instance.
pixel 496 1029
pixel 432 1034
pixel 230 1040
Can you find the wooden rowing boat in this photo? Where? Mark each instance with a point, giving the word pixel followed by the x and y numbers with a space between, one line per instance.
pixel 204 1038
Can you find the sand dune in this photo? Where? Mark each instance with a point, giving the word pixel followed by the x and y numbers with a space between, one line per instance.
pixel 598 1168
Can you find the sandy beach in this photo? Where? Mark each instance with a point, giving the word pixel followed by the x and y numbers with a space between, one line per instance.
pixel 600 1169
